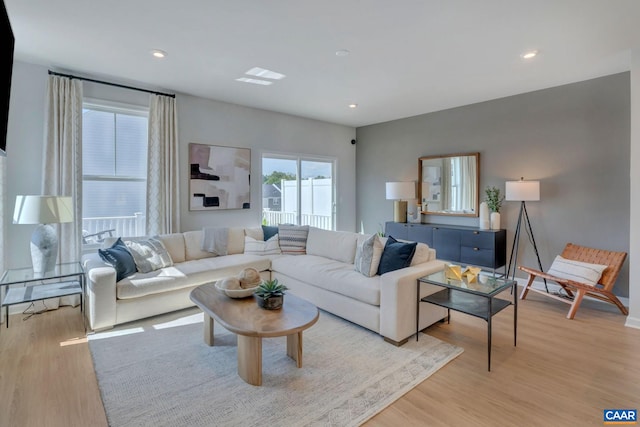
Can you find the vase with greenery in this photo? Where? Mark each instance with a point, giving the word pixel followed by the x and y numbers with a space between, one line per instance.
pixel 494 201
pixel 270 294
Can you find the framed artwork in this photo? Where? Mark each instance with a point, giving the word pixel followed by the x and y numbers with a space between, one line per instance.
pixel 220 177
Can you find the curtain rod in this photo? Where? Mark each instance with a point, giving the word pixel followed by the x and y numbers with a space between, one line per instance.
pixel 53 73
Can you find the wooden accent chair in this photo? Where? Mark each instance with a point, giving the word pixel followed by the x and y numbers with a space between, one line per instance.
pixel 601 291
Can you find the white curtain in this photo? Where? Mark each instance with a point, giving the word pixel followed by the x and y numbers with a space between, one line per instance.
pixel 62 162
pixel 163 207
pixel 467 183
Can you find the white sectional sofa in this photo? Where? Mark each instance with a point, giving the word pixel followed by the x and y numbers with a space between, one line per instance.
pixel 325 275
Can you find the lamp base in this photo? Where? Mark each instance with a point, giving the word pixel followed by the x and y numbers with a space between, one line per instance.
pixel 44 248
pixel 400 211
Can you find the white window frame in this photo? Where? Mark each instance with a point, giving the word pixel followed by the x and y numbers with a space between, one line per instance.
pixel 299 158
pixel 118 108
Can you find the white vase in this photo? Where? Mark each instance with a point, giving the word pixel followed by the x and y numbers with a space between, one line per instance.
pixel 484 216
pixel 495 221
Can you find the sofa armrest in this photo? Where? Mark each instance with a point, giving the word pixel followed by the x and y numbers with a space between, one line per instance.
pixel 398 301
pixel 100 303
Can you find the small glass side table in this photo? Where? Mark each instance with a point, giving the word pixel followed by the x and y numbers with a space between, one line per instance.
pixel 477 298
pixel 65 279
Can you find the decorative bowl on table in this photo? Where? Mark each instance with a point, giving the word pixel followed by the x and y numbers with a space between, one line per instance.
pixel 235 293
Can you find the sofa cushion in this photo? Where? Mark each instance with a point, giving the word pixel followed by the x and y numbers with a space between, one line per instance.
pixel 193 246
pixel 119 257
pixel 149 255
pixel 396 255
pixel 235 244
pixel 174 243
pixel 260 247
pixel 338 245
pixel 254 233
pixel 423 254
pixel 332 275
pixel 368 255
pixel 188 274
pixel 293 239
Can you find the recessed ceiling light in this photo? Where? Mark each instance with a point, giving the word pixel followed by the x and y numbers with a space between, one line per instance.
pixel 157 53
pixel 254 81
pixel 342 52
pixel 353 105
pixel 264 73
pixel 530 54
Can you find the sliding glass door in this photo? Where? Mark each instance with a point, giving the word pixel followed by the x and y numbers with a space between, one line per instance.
pixel 298 190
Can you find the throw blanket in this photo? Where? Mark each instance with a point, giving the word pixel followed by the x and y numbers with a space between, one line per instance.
pixel 215 239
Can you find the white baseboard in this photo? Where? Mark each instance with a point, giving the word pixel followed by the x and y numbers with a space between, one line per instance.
pixel 632 322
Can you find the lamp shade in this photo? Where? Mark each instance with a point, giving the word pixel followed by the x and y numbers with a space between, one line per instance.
pixel 527 191
pixel 405 190
pixel 43 210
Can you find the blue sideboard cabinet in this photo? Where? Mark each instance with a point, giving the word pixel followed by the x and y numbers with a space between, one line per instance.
pixel 456 243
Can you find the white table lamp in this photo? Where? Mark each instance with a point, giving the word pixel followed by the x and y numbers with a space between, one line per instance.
pixel 44 211
pixel 400 192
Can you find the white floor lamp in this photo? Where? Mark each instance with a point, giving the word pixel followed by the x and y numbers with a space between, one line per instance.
pixel 522 191
pixel 44 211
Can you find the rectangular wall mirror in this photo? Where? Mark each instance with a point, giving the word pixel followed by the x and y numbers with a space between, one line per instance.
pixel 448 185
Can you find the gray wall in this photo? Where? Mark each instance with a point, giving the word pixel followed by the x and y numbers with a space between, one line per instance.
pixel 199 120
pixel 575 139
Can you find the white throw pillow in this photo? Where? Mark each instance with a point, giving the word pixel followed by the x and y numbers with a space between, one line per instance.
pixel 259 247
pixel 577 271
pixel 422 254
pixel 149 255
pixel 368 254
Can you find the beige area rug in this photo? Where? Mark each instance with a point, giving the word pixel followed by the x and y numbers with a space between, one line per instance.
pixel 159 372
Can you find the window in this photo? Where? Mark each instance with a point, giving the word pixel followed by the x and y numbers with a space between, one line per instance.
pixel 114 171
pixel 298 190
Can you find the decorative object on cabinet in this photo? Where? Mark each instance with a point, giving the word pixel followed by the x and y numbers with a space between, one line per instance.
pixel 523 191
pixel 448 184
pixel 414 211
pixel 580 259
pixel 484 223
pixel 456 243
pixel 400 192
pixel 44 211
pixel 494 203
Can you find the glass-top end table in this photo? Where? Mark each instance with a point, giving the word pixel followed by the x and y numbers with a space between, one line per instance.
pixel 483 285
pixel 21 275
pixel 66 279
pixel 476 297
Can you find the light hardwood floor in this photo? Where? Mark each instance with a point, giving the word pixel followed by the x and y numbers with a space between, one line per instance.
pixel 562 373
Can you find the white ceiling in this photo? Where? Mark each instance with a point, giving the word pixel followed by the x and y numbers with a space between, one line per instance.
pixel 407 57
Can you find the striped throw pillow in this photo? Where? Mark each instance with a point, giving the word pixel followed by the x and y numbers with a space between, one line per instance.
pixel 293 239
pixel 260 247
pixel 577 271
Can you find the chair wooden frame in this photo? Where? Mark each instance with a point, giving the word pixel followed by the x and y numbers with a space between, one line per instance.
pixel 602 291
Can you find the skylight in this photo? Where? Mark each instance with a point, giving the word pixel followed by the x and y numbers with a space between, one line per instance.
pixel 254 81
pixel 264 73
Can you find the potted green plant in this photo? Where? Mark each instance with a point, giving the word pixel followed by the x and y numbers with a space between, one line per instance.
pixel 494 201
pixel 270 294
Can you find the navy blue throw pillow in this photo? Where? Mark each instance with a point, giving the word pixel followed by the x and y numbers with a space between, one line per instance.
pixel 269 231
pixel 396 255
pixel 120 258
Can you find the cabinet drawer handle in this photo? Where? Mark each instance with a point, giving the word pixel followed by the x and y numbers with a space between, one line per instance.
pixel 476 232
pixel 476 249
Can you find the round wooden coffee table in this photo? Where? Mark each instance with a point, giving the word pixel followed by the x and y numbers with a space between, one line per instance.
pixel 252 323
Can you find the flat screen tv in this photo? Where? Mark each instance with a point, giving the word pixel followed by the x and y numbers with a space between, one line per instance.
pixel 6 59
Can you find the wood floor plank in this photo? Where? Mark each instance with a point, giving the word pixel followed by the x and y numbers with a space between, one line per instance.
pixel 562 373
